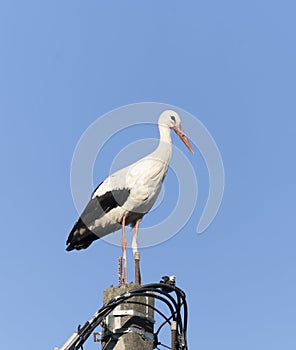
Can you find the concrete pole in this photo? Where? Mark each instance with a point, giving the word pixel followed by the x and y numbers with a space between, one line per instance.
pixel 129 326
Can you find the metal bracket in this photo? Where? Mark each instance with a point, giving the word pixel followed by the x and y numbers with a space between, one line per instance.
pixel 132 329
pixel 118 312
pixel 141 332
pixel 97 337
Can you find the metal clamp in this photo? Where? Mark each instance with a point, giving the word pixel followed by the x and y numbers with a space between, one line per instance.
pixel 118 312
pixel 132 329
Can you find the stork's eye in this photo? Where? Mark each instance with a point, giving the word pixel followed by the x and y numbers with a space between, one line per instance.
pixel 173 118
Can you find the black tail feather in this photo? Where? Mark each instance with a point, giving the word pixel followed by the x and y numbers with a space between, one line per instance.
pixel 80 237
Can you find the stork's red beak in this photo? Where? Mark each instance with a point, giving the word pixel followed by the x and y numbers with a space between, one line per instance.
pixel 180 132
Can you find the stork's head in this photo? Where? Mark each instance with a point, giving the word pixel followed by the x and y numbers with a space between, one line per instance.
pixel 171 119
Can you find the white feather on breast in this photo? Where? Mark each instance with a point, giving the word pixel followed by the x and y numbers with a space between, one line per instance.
pixel 143 179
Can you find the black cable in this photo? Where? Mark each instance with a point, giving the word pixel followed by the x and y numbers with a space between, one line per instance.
pixel 163 324
pixel 151 307
pixel 155 296
pixel 165 346
pixel 156 291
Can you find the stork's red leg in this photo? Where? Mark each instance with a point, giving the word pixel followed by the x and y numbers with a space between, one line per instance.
pixel 136 254
pixel 123 246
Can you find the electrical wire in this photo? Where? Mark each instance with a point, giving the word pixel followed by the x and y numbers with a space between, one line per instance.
pixel 173 297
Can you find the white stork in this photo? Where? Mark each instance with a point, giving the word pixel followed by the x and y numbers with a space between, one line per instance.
pixel 128 194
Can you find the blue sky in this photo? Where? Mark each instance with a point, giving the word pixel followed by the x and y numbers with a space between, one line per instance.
pixel 231 64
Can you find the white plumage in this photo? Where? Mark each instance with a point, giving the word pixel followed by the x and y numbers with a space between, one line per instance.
pixel 128 194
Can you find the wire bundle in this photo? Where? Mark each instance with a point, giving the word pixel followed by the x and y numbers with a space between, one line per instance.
pixel 173 297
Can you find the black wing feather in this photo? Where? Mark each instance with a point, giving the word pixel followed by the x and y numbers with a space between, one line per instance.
pixel 80 236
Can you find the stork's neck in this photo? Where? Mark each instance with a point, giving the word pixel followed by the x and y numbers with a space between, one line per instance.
pixel 165 134
pixel 164 149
